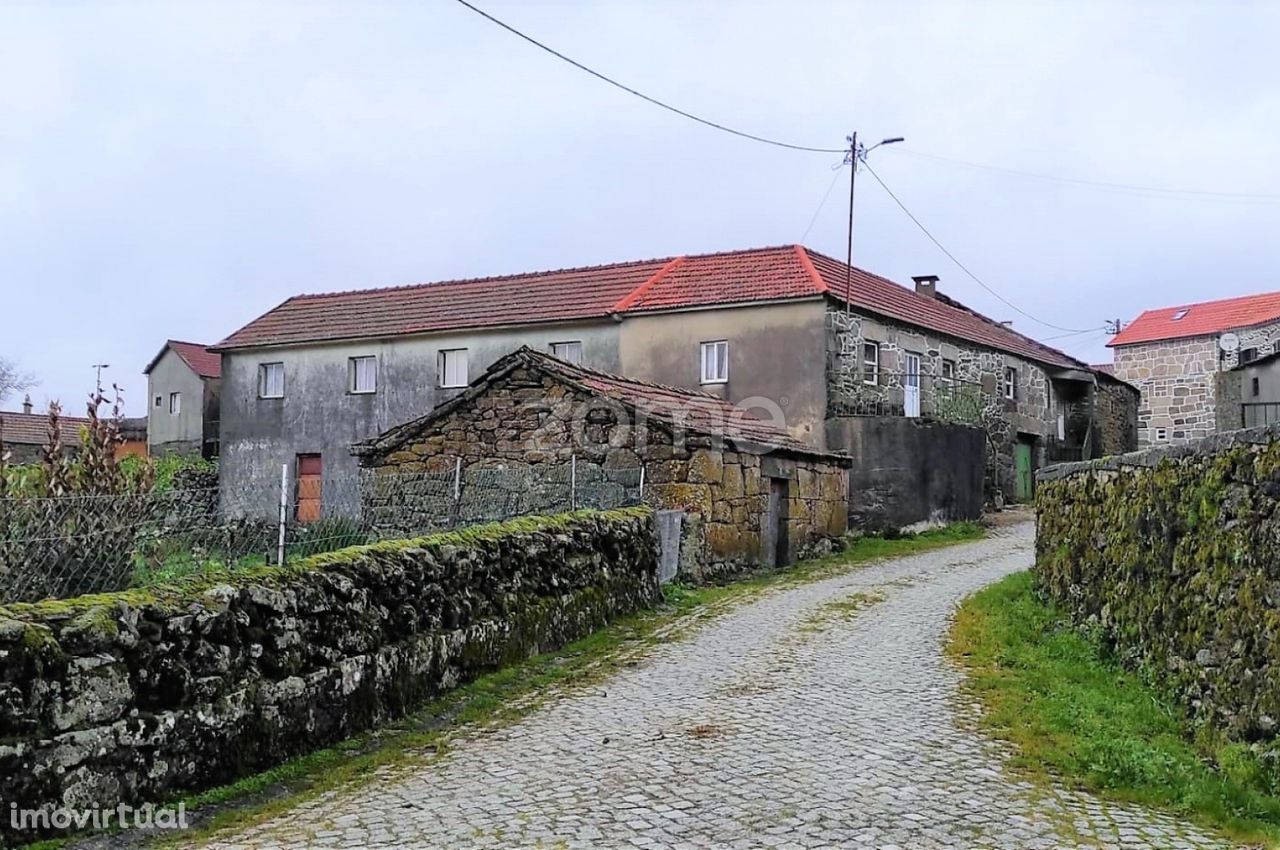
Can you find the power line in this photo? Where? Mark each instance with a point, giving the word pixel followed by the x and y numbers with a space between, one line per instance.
pixel 644 96
pixel 962 266
pixel 1100 184
pixel 837 169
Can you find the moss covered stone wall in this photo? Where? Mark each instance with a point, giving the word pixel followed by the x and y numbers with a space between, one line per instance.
pixel 138 696
pixel 1175 554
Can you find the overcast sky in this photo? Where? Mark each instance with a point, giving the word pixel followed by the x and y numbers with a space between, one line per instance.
pixel 174 170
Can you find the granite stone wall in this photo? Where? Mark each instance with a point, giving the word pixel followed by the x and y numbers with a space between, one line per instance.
pixel 141 696
pixel 976 400
pixel 1173 553
pixel 1117 417
pixel 1176 379
pixel 530 420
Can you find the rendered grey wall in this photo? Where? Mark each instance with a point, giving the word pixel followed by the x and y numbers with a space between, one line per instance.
pixel 776 352
pixel 319 416
pixel 185 431
pixel 908 470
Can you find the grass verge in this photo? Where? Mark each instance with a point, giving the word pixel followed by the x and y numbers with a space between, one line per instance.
pixel 508 694
pixel 1074 713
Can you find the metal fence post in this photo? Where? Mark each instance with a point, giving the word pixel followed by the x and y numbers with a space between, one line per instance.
pixel 642 483
pixel 284 511
pixel 455 512
pixel 573 482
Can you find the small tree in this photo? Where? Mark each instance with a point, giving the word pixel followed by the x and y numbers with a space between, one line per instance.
pixel 12 379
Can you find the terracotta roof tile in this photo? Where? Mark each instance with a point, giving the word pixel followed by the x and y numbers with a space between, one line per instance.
pixel 203 361
pixel 32 429
pixel 733 277
pixel 1203 319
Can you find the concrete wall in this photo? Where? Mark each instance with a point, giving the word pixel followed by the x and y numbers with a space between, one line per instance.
pixel 185 432
pixel 319 416
pixel 908 470
pixel 775 353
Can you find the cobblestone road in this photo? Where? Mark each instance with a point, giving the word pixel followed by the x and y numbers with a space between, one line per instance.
pixel 795 721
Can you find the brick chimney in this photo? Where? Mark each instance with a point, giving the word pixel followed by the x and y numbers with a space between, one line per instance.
pixel 927 285
pixel 26 405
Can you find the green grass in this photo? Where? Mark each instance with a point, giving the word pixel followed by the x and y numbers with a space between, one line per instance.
pixel 1075 714
pixel 506 695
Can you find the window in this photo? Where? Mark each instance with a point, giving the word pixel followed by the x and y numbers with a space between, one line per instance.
pixel 362 374
pixel 568 351
pixel 715 362
pixel 948 371
pixel 1248 355
pixel 1256 388
pixel 1010 382
pixel 271 380
pixel 159 401
pixel 452 367
pixel 175 404
pixel 871 363
pixel 1162 434
pixel 1180 315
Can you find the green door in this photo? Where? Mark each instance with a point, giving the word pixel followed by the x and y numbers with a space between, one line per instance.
pixel 1022 472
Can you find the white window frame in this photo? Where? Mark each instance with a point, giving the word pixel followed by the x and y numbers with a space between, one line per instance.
pixel 715 361
pixel 264 387
pixel 1162 435
pixel 1011 383
pixel 175 404
pixel 448 368
pixel 569 351
pixel 871 377
pixel 354 365
pixel 947 371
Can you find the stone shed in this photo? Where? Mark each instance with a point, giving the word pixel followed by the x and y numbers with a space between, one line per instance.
pixel 751 493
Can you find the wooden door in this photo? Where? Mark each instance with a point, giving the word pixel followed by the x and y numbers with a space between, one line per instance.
pixel 310 488
pixel 778 539
pixel 1022 468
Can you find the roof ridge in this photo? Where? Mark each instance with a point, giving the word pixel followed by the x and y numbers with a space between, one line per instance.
pixel 307 296
pixel 806 263
pixel 634 295
pixel 1189 305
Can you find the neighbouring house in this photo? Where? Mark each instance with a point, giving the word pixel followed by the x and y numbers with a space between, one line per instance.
pixel 791 333
pixel 754 493
pixel 1117 412
pixel 1186 362
pixel 184 383
pixel 26 434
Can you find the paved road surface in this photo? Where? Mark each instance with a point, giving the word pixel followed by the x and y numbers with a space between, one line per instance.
pixel 791 722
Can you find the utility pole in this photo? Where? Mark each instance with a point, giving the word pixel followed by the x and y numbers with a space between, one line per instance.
pixel 848 252
pixel 99 367
pixel 856 154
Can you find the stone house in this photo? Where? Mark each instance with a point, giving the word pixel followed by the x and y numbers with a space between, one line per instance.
pixel 1184 360
pixel 754 493
pixel 792 334
pixel 184 382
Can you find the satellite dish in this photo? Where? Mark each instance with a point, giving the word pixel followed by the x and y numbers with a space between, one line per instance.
pixel 1229 342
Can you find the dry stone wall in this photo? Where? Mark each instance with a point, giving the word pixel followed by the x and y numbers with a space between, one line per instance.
pixel 1173 553
pixel 140 696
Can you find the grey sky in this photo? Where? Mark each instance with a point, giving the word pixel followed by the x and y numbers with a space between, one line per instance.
pixel 174 170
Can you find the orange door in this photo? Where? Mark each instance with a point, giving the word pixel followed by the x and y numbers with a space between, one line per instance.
pixel 309 488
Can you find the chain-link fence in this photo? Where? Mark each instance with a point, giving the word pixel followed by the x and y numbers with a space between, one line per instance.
pixel 72 545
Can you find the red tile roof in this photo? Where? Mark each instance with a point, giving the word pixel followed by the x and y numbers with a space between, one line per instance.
pixel 694 411
pixel 734 277
pixel 1203 319
pixel 32 429
pixel 201 360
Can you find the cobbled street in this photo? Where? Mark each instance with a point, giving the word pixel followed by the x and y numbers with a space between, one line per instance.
pixel 818 715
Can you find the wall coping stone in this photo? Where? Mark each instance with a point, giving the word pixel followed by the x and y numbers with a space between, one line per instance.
pixel 1152 457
